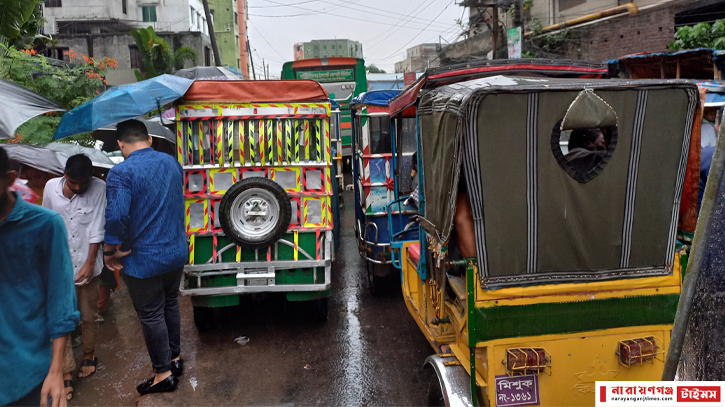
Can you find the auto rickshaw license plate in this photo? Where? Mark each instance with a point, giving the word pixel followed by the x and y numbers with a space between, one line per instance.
pixel 517 391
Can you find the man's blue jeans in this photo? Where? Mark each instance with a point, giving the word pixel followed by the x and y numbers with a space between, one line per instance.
pixel 156 300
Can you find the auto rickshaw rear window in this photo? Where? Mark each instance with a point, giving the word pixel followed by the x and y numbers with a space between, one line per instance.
pixel 583 153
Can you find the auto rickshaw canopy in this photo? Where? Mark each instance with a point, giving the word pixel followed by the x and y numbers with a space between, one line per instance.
pixel 537 220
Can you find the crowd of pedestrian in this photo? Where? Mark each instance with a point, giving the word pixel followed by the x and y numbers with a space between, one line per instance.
pixel 59 238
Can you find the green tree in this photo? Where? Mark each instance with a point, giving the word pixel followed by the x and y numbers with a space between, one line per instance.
pixel 157 56
pixel 68 85
pixel 374 69
pixel 701 35
pixel 13 16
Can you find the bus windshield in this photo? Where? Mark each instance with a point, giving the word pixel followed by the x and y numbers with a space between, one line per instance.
pixel 338 82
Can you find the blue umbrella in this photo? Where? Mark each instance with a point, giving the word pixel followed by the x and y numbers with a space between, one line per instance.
pixel 122 103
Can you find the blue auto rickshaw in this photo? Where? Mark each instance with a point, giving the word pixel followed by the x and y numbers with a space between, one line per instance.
pixel 374 180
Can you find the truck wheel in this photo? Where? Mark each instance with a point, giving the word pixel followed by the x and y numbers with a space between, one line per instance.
pixel 375 283
pixel 204 318
pixel 321 309
pixel 435 392
pixel 255 212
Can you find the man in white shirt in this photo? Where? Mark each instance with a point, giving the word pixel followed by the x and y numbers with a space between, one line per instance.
pixel 709 129
pixel 80 199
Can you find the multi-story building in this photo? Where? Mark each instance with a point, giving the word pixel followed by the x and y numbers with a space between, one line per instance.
pixel 101 28
pixel 114 16
pixel 419 58
pixel 649 26
pixel 243 17
pixel 328 48
pixel 226 29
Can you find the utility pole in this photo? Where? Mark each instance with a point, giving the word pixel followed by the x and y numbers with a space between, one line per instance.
pixel 264 70
pixel 267 71
pixel 212 35
pixel 251 61
pixel 494 33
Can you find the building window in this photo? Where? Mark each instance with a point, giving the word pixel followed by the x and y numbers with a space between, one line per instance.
pixel 193 21
pixel 148 13
pixel 236 19
pixel 136 60
pixel 53 3
pixel 207 56
pixel 567 4
pixel 239 63
pixel 61 53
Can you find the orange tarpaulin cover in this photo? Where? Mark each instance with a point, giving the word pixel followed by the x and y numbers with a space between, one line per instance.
pixel 691 188
pixel 256 91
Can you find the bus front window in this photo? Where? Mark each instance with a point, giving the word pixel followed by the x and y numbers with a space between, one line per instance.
pixel 339 90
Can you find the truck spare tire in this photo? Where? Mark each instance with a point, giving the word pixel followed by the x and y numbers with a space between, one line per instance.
pixel 255 212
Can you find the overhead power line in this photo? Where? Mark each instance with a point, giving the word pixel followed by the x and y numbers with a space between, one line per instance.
pixel 392 30
pixel 265 40
pixel 286 5
pixel 331 14
pixel 416 36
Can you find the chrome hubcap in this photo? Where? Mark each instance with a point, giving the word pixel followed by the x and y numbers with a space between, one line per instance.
pixel 255 212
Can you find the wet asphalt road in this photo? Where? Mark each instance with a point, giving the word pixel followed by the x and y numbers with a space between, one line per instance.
pixel 369 352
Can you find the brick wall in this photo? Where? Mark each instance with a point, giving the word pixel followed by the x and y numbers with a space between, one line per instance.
pixel 649 31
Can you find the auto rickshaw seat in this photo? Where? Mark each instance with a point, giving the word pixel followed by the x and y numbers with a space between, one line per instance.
pixel 414 252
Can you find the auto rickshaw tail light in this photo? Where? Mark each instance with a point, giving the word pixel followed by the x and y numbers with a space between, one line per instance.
pixel 638 350
pixel 527 361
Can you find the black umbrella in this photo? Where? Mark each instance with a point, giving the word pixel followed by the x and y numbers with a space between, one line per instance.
pixel 18 105
pixel 108 134
pixel 209 73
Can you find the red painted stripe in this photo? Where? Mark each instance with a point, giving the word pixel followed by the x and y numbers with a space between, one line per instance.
pixel 518 66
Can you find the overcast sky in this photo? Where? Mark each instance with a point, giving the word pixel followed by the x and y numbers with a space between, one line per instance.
pixel 386 28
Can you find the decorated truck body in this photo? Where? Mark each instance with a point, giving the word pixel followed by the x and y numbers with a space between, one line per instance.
pixel 258 190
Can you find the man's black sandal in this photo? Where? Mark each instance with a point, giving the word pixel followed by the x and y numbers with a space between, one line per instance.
pixel 88 362
pixel 68 384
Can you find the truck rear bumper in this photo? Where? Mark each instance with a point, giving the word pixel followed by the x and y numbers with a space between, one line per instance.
pixel 254 277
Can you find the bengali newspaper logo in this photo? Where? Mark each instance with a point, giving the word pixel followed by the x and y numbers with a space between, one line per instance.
pixel 642 390
pixel 702 394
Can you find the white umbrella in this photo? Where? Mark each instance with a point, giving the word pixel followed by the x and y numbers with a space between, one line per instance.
pixel 97 157
pixel 37 157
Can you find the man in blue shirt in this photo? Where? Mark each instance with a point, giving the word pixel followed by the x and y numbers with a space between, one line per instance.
pixel 38 306
pixel 146 239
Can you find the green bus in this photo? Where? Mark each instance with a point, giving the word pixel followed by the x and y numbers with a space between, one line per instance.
pixel 342 77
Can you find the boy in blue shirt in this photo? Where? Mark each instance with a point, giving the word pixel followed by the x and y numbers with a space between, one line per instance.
pixel 38 307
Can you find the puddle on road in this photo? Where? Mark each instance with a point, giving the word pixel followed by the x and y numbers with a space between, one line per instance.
pixel 353 368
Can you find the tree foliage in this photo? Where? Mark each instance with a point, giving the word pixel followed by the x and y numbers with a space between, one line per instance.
pixel 374 69
pixel 13 16
pixel 157 56
pixel 68 85
pixel 701 35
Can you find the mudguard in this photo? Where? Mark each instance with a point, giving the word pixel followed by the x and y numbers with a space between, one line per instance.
pixel 454 380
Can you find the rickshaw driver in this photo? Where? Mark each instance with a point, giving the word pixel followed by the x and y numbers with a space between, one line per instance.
pixel 463 219
pixel 587 147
